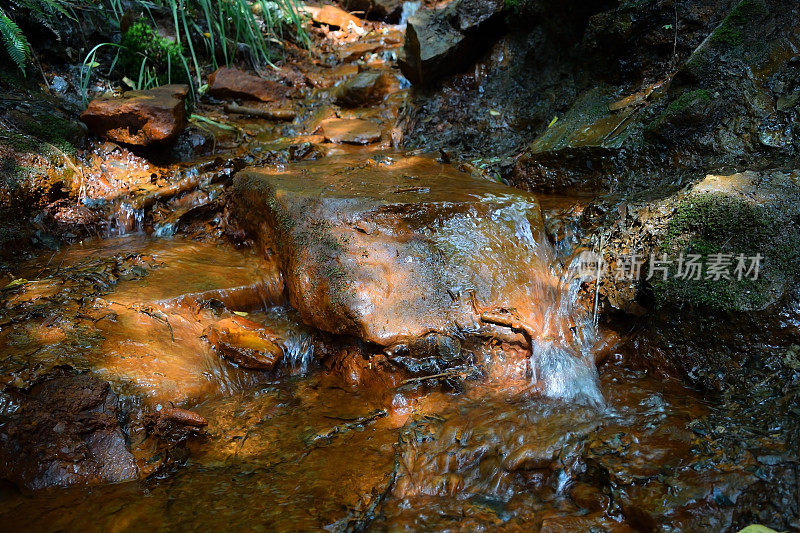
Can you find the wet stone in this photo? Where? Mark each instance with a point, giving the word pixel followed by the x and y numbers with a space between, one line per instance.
pixel 390 251
pixel 244 343
pixel 65 432
pixel 139 118
pixel 234 83
pixel 350 131
pixel 363 89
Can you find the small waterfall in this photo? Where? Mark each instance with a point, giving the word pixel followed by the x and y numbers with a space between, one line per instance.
pixel 563 361
pixel 126 220
pixel 298 352
pixel 409 8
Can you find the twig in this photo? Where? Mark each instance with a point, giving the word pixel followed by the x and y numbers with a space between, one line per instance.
pixel 156 315
pixel 356 423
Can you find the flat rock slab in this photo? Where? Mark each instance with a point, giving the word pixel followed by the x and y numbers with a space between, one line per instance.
pixel 390 250
pixel 139 118
pixel 234 83
pixel 350 131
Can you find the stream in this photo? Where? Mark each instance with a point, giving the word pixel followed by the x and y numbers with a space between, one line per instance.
pixel 353 359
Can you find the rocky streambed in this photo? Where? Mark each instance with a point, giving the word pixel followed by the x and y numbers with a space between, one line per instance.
pixel 272 313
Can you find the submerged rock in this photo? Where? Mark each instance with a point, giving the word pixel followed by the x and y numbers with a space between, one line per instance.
pixel 140 118
pixel 233 83
pixel 350 131
pixel 64 432
pixel 244 343
pixel 392 250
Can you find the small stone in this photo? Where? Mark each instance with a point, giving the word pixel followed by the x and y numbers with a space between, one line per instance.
pixel 234 83
pixel 240 342
pixel 336 17
pixel 363 89
pixel 139 118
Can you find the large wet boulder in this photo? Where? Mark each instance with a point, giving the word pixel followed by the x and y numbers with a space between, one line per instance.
pixel 234 83
pixel 140 118
pixel 64 432
pixel 726 243
pixel 443 41
pixel 390 251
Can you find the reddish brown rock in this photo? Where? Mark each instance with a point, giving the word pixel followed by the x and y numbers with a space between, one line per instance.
pixel 65 432
pixel 139 118
pixel 389 251
pixel 244 343
pixel 233 83
pixel 334 16
pixel 357 50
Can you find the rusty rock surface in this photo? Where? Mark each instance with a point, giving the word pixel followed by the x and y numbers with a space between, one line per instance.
pixel 244 343
pixel 233 83
pixel 140 118
pixel 390 250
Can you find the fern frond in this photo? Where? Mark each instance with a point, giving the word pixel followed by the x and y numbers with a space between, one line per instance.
pixel 17 46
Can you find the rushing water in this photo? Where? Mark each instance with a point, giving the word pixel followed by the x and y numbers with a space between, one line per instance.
pixel 333 437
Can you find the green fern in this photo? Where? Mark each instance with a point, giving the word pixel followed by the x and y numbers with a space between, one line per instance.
pixel 17 46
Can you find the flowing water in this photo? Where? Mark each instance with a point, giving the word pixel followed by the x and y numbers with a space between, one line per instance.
pixel 328 438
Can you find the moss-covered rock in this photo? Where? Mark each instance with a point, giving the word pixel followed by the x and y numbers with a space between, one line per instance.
pixel 698 247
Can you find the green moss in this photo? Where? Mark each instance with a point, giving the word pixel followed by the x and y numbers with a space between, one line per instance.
pixel 686 101
pixel 51 129
pixel 20 143
pixel 731 32
pixel 713 223
pixel 142 42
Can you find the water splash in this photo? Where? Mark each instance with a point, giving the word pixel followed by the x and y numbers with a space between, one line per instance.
pixel 298 352
pixel 409 9
pixel 127 220
pixel 563 362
